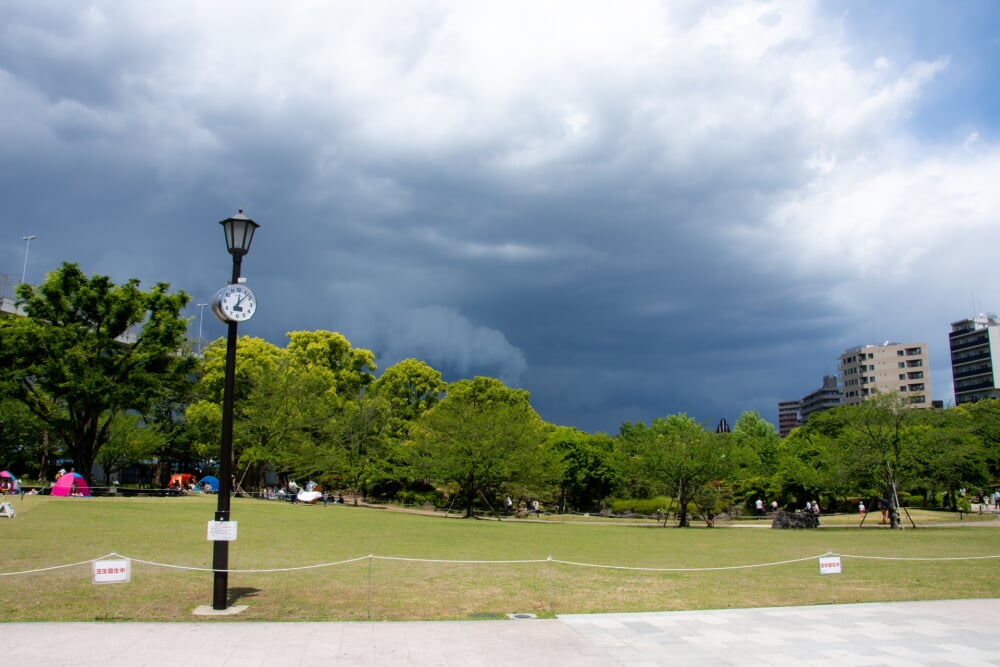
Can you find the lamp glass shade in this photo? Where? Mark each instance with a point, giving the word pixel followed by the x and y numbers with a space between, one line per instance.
pixel 239 231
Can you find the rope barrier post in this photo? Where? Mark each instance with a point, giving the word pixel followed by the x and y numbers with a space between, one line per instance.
pixel 548 592
pixel 833 589
pixel 371 563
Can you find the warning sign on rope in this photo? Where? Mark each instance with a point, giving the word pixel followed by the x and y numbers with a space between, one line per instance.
pixel 116 571
pixel 829 565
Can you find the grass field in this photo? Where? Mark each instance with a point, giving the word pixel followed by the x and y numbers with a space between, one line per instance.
pixel 406 566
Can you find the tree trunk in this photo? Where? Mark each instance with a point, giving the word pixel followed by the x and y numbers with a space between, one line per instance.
pixel 470 500
pixel 43 473
pixel 682 499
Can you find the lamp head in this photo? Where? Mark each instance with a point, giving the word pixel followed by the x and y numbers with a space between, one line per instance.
pixel 239 231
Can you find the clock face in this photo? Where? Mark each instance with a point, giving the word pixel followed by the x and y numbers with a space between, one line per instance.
pixel 234 303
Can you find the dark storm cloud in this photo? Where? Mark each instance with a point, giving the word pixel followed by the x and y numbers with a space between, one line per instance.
pixel 628 213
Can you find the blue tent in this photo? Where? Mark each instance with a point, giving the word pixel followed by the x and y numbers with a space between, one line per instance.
pixel 211 481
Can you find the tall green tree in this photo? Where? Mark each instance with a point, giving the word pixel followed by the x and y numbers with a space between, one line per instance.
pixel 23 440
pixel 351 368
pixel 361 449
pixel 89 350
pixel 874 441
pixel 484 437
pixel 806 464
pixel 752 448
pixel 281 413
pixel 411 387
pixel 130 442
pixel 985 423
pixel 592 469
pixel 948 453
pixel 684 457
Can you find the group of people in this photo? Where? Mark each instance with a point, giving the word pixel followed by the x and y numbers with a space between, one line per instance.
pixel 759 506
pixel 190 487
pixel 291 494
pixel 812 509
pixel 883 506
pixel 508 507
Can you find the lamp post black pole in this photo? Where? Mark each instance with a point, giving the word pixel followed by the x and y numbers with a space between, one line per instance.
pixel 239 231
pixel 220 553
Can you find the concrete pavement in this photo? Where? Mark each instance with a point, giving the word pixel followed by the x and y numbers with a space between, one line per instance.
pixel 952 632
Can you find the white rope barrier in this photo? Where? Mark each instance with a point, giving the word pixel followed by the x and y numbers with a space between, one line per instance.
pixel 54 567
pixel 687 569
pixel 550 559
pixel 464 562
pixel 920 559
pixel 258 571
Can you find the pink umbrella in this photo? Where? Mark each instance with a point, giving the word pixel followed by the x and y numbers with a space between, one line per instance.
pixel 71 484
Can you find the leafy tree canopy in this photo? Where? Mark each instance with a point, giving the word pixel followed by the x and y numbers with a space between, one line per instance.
pixel 484 437
pixel 90 350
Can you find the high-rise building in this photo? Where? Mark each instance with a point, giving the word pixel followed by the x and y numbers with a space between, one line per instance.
pixel 867 370
pixel 975 344
pixel 788 416
pixel 795 413
pixel 826 397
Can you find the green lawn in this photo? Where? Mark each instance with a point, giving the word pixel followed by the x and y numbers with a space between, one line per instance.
pixel 408 581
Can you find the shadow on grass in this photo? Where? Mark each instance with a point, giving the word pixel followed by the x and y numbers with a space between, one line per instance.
pixel 237 594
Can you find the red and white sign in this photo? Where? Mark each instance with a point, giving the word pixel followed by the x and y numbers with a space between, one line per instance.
pixel 829 565
pixel 112 571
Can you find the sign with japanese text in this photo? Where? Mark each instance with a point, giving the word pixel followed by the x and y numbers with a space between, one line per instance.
pixel 222 531
pixel 829 565
pixel 118 571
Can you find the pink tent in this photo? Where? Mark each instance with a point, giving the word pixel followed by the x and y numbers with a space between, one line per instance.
pixel 71 484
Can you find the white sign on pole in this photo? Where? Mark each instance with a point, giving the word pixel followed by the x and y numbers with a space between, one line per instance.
pixel 117 571
pixel 222 531
pixel 829 565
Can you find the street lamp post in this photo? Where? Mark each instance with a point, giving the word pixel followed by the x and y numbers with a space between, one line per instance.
pixel 201 320
pixel 239 231
pixel 27 242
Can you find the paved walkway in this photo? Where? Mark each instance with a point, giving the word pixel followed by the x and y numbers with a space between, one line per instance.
pixel 954 632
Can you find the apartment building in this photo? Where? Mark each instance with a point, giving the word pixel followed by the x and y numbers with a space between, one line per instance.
pixel 867 370
pixel 974 344
pixel 828 396
pixel 788 416
pixel 795 413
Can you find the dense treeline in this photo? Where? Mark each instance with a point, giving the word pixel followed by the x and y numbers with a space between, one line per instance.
pixel 92 375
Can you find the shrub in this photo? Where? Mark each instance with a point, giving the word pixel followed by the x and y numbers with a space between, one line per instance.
pixel 644 506
pixel 434 497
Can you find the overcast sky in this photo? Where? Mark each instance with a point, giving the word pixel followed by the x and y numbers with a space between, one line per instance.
pixel 630 209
